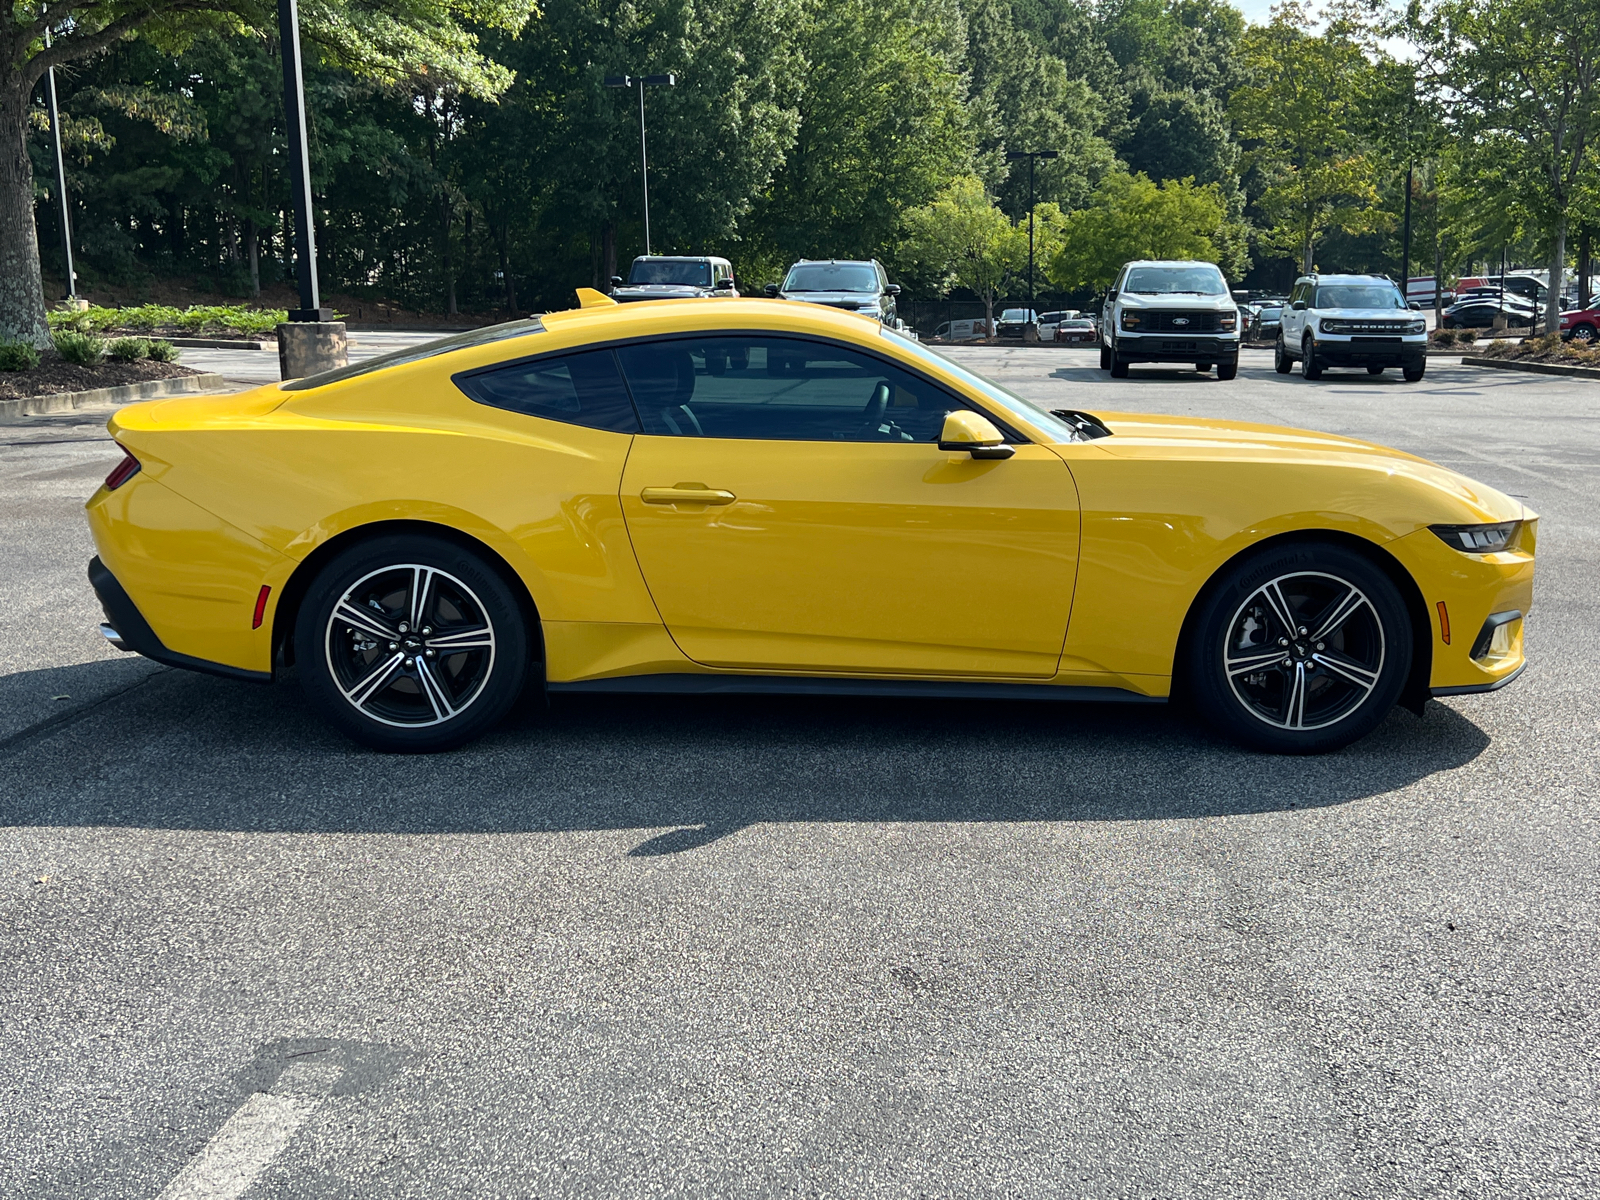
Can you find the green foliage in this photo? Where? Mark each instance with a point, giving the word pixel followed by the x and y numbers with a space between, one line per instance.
pixel 196 319
pixel 18 356
pixel 82 348
pixel 963 239
pixel 163 351
pixel 128 349
pixel 1131 217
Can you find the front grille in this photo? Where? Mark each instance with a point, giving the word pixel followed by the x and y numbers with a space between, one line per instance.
pixel 1374 326
pixel 1179 322
pixel 852 305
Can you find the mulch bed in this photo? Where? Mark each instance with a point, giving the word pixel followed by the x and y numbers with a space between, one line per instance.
pixel 52 375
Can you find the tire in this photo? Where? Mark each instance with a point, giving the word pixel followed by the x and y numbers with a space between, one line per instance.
pixel 1310 368
pixel 1105 357
pixel 1299 699
pixel 1413 373
pixel 1281 362
pixel 1585 334
pixel 1228 370
pixel 458 683
pixel 1374 370
pixel 1119 366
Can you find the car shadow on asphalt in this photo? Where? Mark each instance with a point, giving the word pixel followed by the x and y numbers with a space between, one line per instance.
pixel 188 752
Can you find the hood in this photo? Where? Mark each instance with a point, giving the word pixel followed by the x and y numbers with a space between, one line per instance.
pixel 1369 314
pixel 1456 498
pixel 836 299
pixel 657 291
pixel 1179 300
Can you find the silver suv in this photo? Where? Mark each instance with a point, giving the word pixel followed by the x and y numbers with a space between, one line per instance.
pixel 858 286
pixel 1350 321
pixel 1170 310
pixel 674 277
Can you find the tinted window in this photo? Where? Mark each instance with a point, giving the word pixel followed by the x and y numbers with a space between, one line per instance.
pixel 832 277
pixel 580 389
pixel 1359 295
pixel 1198 278
pixel 688 273
pixel 411 354
pixel 779 389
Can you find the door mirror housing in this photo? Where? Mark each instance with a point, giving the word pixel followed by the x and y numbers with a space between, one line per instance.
pixel 1111 296
pixel 725 284
pixel 974 434
pixel 893 289
pixel 616 281
pixel 1299 306
pixel 771 290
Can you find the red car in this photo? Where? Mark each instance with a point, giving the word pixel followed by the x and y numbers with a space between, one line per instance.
pixel 1582 324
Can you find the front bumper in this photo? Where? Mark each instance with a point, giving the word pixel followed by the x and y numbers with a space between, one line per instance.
pixel 1174 347
pixel 133 633
pixel 1358 351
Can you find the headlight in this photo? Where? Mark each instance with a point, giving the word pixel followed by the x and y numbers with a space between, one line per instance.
pixel 1417 326
pixel 1229 321
pixel 1131 320
pixel 1479 539
pixel 1326 326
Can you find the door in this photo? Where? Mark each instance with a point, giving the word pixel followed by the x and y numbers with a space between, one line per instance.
pixel 791 510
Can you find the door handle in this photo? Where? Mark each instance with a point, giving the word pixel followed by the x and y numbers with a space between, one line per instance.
pixel 686 493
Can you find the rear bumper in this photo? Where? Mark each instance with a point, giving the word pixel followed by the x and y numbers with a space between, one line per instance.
pixel 134 633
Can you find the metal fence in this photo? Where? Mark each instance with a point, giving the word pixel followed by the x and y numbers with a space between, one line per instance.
pixel 927 315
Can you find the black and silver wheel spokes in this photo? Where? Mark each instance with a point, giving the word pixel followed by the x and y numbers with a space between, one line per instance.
pixel 1304 651
pixel 410 645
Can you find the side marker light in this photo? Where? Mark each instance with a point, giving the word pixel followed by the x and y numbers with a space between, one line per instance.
pixel 266 588
pixel 1444 620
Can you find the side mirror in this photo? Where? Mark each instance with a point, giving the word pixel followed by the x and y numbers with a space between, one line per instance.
pixel 1299 306
pixel 893 289
pixel 725 284
pixel 771 290
pixel 1111 297
pixel 616 281
pixel 965 430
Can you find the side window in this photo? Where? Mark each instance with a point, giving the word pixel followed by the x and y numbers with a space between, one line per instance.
pixel 780 389
pixel 580 389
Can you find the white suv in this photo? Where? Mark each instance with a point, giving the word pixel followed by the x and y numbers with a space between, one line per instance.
pixel 1350 321
pixel 1170 311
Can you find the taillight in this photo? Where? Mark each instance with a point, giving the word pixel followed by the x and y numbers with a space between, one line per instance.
pixel 123 471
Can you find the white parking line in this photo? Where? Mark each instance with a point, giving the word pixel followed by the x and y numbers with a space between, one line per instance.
pixel 252 1137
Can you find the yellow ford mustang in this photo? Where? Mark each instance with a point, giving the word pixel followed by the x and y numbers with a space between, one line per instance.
pixel 768 496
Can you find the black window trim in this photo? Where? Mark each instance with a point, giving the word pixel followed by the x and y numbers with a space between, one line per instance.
pixel 1011 433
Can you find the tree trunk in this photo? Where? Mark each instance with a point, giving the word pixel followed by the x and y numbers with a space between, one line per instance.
pixel 505 266
pixel 608 253
pixel 1585 266
pixel 22 316
pixel 1438 278
pixel 252 250
pixel 1558 264
pixel 1307 264
pixel 449 267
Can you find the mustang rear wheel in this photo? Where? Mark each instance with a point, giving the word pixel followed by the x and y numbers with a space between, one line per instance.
pixel 411 644
pixel 1300 649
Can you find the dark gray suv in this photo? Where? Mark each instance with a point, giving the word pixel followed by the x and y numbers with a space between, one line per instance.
pixel 856 285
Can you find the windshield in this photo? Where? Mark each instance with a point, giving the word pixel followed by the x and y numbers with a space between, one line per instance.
pixel 832 277
pixel 1359 295
pixel 1014 314
pixel 1200 279
pixel 1077 323
pixel 671 270
pixel 1008 401
pixel 1272 310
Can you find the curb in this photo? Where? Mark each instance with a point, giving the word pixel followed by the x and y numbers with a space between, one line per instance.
pixel 127 393
pixel 1537 368
pixel 219 343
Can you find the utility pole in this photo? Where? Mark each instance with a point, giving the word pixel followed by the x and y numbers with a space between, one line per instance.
pixel 1032 156
pixel 1405 253
pixel 644 81
pixel 61 173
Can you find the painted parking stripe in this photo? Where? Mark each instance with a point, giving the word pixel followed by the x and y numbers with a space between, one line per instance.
pixel 250 1139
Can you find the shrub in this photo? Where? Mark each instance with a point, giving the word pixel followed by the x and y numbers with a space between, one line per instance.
pixel 18 356
pixel 1444 337
pixel 129 349
pixel 82 348
pixel 1467 336
pixel 161 351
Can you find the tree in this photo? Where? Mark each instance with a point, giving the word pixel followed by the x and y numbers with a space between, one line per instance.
pixel 966 240
pixel 1130 218
pixel 1520 80
pixel 392 40
pixel 1301 108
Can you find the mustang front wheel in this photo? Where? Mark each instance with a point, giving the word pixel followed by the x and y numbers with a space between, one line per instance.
pixel 1300 650
pixel 410 644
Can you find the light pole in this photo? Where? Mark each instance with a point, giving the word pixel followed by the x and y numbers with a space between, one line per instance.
pixel 294 117
pixel 61 174
pixel 644 81
pixel 1032 156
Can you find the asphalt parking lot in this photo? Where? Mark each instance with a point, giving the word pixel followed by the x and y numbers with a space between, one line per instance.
pixel 782 947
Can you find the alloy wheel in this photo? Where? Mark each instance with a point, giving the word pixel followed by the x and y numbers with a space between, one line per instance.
pixel 1304 651
pixel 410 645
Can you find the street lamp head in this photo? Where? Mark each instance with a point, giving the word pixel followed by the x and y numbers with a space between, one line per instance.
pixel 619 81
pixel 661 80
